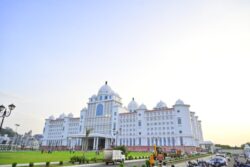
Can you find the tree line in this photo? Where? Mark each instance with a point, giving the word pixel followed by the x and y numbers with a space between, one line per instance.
pixel 7 131
pixel 223 146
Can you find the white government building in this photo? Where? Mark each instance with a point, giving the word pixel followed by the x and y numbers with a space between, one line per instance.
pixel 136 127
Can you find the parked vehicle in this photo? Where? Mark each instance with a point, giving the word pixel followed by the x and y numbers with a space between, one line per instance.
pixel 247 151
pixel 192 164
pixel 223 156
pixel 202 163
pixel 197 164
pixel 242 155
pixel 112 156
pixel 237 163
pixel 218 162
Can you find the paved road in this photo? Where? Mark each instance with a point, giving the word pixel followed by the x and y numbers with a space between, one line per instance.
pixel 132 163
pixel 137 163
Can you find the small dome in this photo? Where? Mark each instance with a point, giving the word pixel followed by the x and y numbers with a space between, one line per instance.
pixel 84 109
pixel 52 117
pixel 179 102
pixel 142 107
pixel 62 116
pixel 70 115
pixel 132 106
pixel 116 94
pixel 105 90
pixel 161 104
pixel 93 96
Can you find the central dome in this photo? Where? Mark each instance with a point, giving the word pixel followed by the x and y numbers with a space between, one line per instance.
pixel 132 106
pixel 62 116
pixel 161 104
pixel 70 115
pixel 52 117
pixel 105 90
pixel 142 107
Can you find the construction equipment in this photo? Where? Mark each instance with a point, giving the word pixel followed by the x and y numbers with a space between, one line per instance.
pixel 174 153
pixel 157 157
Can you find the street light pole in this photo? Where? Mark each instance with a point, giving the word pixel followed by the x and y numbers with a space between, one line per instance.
pixel 116 140
pixel 17 125
pixel 5 113
pixel 117 132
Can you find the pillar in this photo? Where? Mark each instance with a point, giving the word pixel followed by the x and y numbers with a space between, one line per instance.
pixel 94 144
pixel 97 143
pixel 107 141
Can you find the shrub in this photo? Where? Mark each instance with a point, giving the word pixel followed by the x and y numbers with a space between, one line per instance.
pixel 79 159
pixel 94 159
pixel 130 157
pixel 134 166
pixel 122 148
pixel 60 162
pixel 87 160
pixel 14 164
pixel 47 163
pixel 143 165
pixel 82 159
pixel 121 165
pixel 72 159
pixel 31 164
pixel 147 163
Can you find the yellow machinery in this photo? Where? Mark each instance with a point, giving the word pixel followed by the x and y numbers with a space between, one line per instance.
pixel 157 156
pixel 152 157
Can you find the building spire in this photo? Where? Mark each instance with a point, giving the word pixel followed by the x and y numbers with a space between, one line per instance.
pixel 133 99
pixel 106 82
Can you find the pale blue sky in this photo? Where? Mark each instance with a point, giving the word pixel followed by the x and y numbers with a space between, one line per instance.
pixel 56 54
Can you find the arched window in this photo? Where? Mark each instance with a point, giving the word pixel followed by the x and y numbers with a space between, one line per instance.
pixel 179 121
pixel 99 110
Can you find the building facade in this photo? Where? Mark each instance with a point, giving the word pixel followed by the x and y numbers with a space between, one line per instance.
pixel 135 126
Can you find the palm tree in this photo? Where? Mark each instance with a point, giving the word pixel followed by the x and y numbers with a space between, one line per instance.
pixel 88 131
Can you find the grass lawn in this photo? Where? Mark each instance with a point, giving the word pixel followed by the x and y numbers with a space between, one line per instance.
pixel 37 156
pixel 139 154
pixel 56 156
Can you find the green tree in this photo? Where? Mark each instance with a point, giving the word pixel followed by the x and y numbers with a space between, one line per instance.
pixel 7 131
pixel 243 145
pixel 122 148
pixel 223 146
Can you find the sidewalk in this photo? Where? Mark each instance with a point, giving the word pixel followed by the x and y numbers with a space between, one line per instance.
pixel 178 164
pixel 27 164
pixel 79 165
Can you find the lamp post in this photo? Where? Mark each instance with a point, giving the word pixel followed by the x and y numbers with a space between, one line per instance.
pixel 4 112
pixel 69 142
pixel 116 138
pixel 17 125
pixel 16 140
pixel 116 133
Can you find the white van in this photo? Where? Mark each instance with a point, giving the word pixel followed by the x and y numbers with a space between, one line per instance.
pixel 112 156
